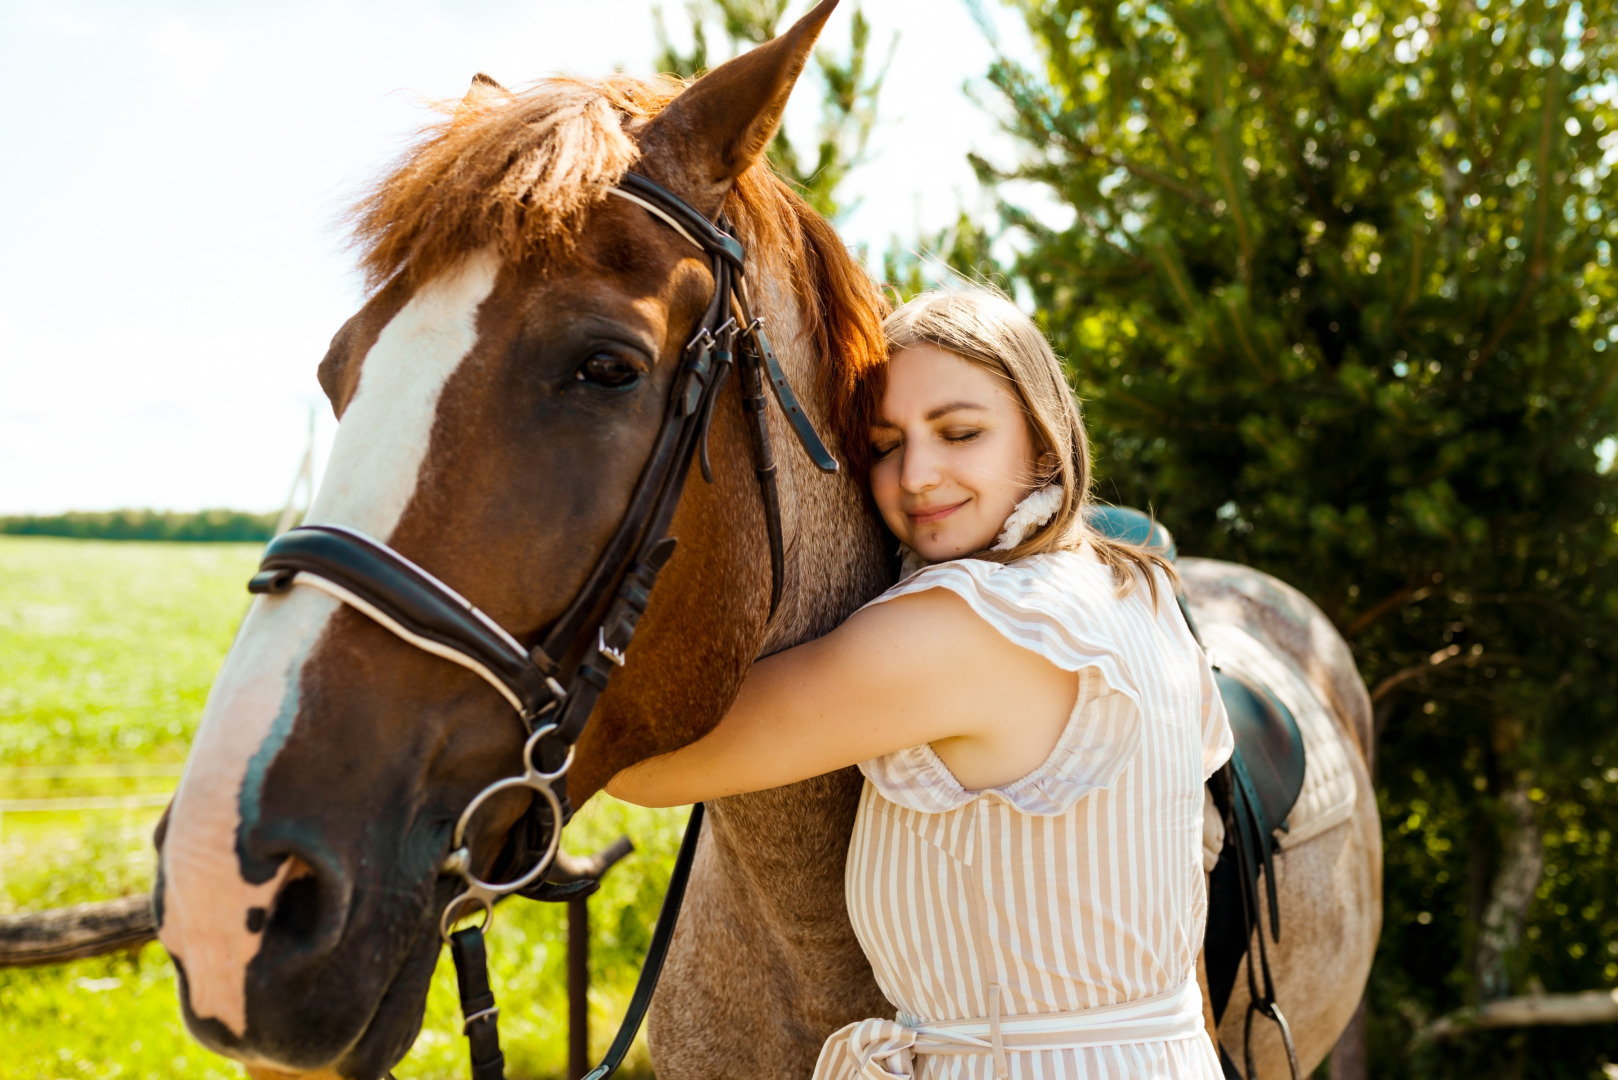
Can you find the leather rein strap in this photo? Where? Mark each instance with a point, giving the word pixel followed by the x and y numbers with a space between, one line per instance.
pixel 597 626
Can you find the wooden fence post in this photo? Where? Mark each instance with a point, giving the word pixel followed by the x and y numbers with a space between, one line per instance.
pixel 1349 1058
pixel 581 868
pixel 578 987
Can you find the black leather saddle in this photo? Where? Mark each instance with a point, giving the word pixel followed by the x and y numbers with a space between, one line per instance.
pixel 1255 793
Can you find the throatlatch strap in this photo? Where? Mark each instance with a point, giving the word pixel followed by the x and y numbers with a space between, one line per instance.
pixel 477 1004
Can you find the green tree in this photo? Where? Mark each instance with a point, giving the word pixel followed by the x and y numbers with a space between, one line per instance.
pixel 1338 292
pixel 849 84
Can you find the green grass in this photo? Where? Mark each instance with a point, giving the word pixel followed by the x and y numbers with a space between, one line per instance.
pixel 107 648
pixel 106 653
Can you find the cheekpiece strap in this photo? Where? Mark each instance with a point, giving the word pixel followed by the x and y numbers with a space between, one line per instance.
pixel 482 1028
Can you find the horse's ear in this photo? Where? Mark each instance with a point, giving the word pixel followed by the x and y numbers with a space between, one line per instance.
pixel 717 129
pixel 482 95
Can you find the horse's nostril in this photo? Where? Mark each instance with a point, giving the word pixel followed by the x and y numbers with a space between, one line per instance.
pixel 308 907
pixel 297 907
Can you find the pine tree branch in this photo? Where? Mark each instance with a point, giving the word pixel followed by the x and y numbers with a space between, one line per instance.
pixel 1417 236
pixel 1562 611
pixel 1243 339
pixel 1420 671
pixel 1390 603
pixel 1161 130
pixel 1593 401
pixel 1260 72
pixel 1167 264
pixel 1100 233
pixel 1536 262
pixel 1140 172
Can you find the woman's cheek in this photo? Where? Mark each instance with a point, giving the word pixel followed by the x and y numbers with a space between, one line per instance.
pixel 885 493
pixel 1004 462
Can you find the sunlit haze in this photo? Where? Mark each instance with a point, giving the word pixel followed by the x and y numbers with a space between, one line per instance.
pixel 174 264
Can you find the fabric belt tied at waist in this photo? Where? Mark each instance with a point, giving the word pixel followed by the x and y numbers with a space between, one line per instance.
pixel 886 1049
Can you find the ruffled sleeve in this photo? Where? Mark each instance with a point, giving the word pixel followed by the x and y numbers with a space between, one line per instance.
pixel 1064 607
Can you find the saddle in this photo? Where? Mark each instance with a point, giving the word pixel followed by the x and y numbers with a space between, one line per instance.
pixel 1254 793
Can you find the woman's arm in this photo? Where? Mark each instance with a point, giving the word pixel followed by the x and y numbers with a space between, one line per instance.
pixel 920 668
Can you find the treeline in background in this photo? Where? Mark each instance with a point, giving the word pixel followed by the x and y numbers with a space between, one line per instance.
pixel 219 526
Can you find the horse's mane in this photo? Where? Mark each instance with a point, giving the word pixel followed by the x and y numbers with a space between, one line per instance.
pixel 521 171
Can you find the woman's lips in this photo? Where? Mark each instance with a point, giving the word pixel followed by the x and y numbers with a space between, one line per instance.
pixel 927 517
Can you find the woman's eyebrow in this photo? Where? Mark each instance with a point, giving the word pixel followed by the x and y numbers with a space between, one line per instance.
pixel 954 406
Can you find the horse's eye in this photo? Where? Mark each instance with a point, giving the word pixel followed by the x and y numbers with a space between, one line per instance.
pixel 608 370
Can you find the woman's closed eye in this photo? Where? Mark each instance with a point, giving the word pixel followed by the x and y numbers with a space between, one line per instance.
pixel 881 448
pixel 962 435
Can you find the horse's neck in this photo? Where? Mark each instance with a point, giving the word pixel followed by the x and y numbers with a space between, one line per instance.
pixel 785 848
pixel 834 552
pixel 782 852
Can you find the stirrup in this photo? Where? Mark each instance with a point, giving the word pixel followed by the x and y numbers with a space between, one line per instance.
pixel 1270 1011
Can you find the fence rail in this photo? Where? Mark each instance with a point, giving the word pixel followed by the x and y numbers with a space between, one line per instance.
pixel 84 930
pixel 25 773
pixel 69 804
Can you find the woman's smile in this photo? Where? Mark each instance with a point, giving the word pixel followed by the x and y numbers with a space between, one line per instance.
pixel 934 514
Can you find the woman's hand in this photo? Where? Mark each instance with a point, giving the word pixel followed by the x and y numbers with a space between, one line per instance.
pixel 921 668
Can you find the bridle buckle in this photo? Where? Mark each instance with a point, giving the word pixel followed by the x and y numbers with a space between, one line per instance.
pixel 616 656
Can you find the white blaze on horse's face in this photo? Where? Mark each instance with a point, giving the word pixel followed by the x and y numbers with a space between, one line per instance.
pixel 209 922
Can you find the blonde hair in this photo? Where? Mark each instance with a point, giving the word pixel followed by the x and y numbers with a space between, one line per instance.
pixel 983 327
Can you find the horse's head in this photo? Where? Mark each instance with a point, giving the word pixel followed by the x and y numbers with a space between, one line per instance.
pixel 499 396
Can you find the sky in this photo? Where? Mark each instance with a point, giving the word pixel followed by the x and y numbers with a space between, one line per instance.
pixel 172 261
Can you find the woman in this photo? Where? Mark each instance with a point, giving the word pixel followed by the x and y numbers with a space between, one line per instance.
pixel 1034 721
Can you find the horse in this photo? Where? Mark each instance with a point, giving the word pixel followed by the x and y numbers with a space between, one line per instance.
pixel 497 396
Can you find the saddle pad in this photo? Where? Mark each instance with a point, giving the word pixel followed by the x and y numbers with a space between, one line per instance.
pixel 1329 791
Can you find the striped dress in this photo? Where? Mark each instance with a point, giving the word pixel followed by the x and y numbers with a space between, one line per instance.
pixel 1047 929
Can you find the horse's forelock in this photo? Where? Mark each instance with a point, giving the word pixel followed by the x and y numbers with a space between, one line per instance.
pixel 518 173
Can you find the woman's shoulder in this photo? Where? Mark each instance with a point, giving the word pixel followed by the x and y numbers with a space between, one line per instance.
pixel 1056 582
pixel 1064 605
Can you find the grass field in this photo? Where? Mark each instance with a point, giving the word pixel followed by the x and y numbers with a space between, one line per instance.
pixel 106 653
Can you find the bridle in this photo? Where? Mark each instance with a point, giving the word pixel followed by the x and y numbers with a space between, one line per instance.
pixel 598 625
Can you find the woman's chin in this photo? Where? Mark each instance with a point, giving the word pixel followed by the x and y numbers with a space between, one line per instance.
pixel 942 547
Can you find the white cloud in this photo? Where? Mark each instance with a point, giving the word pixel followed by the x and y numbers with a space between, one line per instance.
pixel 190 56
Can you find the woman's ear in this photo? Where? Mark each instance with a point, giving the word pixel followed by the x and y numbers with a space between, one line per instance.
pixel 1047 466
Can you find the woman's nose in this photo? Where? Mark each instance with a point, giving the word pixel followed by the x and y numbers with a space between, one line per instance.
pixel 918 469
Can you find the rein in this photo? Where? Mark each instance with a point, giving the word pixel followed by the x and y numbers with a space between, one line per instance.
pixel 599 623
